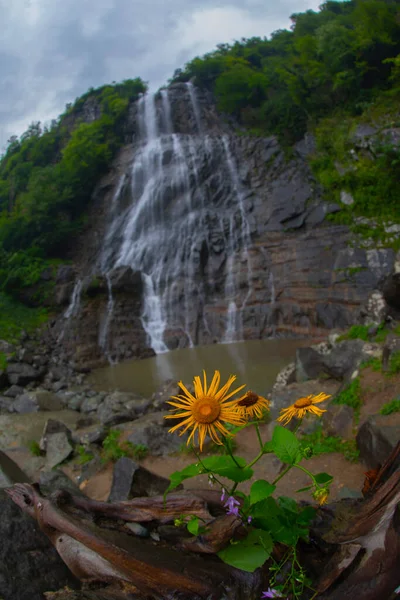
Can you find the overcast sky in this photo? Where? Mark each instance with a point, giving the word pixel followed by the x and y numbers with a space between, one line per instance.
pixel 52 51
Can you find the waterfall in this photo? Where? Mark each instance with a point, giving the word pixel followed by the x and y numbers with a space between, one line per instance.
pixel 104 329
pixel 73 308
pixel 186 203
pixel 195 105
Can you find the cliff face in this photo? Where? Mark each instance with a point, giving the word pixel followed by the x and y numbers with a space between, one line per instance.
pixel 199 235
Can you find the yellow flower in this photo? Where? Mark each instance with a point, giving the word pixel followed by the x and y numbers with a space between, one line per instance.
pixel 207 409
pixel 301 407
pixel 321 496
pixel 252 404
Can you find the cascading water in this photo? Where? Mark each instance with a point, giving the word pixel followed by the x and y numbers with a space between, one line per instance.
pixel 104 329
pixel 165 231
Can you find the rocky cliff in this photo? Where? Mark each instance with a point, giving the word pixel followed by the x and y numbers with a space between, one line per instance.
pixel 200 234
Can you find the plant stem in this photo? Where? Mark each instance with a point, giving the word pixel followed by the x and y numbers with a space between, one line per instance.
pixel 253 462
pixel 259 437
pixel 307 472
pixel 282 474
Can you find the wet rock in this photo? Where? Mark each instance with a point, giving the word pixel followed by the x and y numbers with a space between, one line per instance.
pixel 377 437
pixel 14 391
pixel 90 405
pixel 37 400
pixel 29 565
pixel 121 407
pixel 58 449
pixel 131 480
pixel 52 426
pixel 22 373
pixel 124 279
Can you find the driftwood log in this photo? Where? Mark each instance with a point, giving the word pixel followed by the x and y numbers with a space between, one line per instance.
pixel 354 549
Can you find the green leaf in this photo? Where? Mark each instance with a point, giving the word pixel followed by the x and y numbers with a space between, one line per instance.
pixel 304 489
pixel 260 490
pixel 286 446
pixel 268 447
pixel 323 478
pixel 288 504
pixel 250 553
pixel 226 467
pixel 193 526
pixel 177 477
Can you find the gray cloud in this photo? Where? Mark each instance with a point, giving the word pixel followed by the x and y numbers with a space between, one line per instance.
pixel 52 51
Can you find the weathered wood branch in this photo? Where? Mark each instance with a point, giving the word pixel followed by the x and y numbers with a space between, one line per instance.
pixel 357 556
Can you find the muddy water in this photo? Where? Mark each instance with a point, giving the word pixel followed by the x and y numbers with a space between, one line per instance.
pixel 255 363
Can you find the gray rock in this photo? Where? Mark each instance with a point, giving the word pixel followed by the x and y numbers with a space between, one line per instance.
pixel 52 426
pixel 339 421
pixel 25 404
pixel 37 400
pixel 22 374
pixel 10 472
pixel 131 480
pixel 59 449
pixel 120 407
pixel 6 347
pixel 377 437
pixel 138 529
pixel 59 385
pixel 51 481
pixel 93 435
pixel 339 363
pixel 151 432
pixel 91 404
pixel 14 391
pixel 29 564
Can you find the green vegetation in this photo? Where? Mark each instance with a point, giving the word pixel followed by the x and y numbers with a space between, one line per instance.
pixel 356 332
pixel 113 449
pixel 373 363
pixel 321 443
pixel 47 178
pixel 3 361
pixel 390 407
pixel 84 456
pixel 351 396
pixel 15 318
pixel 34 448
pixel 394 363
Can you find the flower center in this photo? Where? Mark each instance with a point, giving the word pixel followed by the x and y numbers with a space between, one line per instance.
pixel 249 400
pixel 206 410
pixel 303 402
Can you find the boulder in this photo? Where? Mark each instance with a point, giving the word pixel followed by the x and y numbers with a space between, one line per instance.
pixel 120 407
pixel 150 431
pixel 51 481
pixel 377 437
pixel 51 427
pixel 339 421
pixel 37 400
pixel 6 404
pixel 14 391
pixel 22 373
pixel 340 362
pixel 58 449
pixel 131 480
pixel 29 565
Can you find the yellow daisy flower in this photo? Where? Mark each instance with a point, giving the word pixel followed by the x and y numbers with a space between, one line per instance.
pixel 252 404
pixel 206 409
pixel 301 407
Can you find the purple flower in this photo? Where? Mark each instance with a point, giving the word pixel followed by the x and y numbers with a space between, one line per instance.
pixel 232 506
pixel 271 593
pixel 249 520
pixel 223 495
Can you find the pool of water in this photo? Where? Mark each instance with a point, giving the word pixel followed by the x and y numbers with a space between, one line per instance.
pixel 255 363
